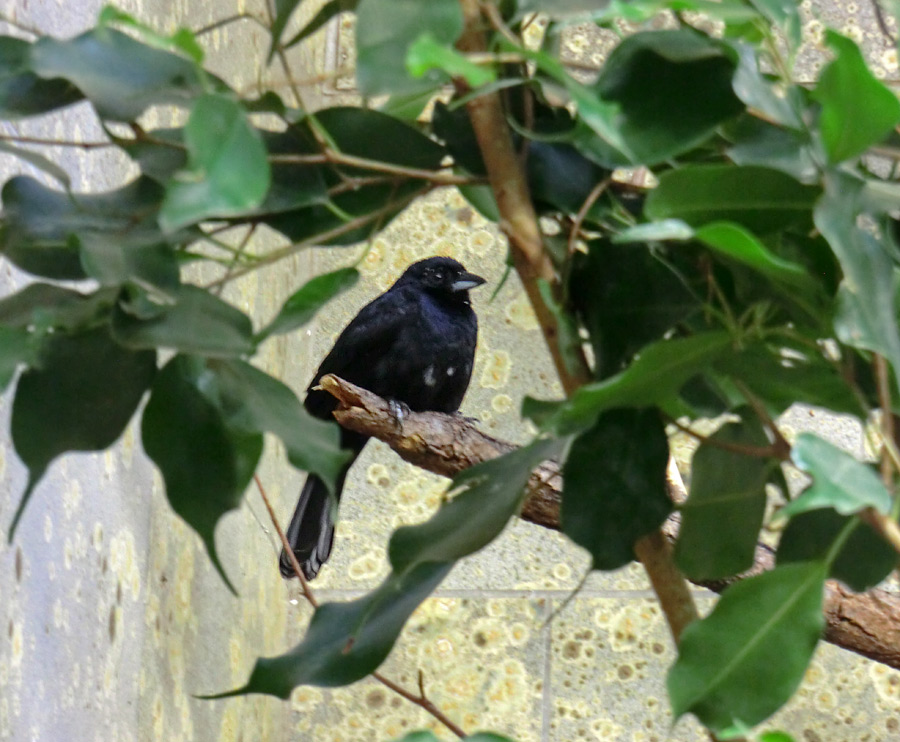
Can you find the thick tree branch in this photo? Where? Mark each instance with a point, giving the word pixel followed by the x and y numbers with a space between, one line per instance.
pixel 519 221
pixel 865 623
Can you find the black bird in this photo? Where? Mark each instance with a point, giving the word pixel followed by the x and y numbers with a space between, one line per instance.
pixel 415 345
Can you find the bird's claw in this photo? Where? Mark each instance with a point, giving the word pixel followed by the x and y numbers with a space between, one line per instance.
pixel 399 410
pixel 465 418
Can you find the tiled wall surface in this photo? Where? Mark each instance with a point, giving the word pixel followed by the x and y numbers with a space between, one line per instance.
pixel 113 617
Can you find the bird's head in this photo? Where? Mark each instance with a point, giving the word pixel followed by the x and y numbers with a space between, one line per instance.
pixel 440 275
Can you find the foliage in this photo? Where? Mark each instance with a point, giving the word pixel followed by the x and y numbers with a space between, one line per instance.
pixel 761 270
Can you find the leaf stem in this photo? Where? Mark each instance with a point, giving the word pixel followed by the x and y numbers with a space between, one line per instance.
pixel 759 452
pixel 54 142
pixel 889 449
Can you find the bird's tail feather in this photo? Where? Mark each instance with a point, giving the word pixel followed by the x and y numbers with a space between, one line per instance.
pixel 311 530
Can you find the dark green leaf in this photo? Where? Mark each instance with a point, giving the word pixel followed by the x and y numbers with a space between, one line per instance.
pixel 614 485
pixel 722 516
pixel 627 297
pixel 303 304
pixel 160 155
pixel 384 31
pixel 745 660
pixel 839 480
pixel 43 228
pixel 346 641
pixel 205 464
pixel 228 168
pixel 474 518
pixel 775 737
pixel 559 175
pixel 376 136
pixel 119 75
pixel 197 323
pixel 149 266
pixel 44 305
pixel 758 198
pixel 17 347
pixel 257 403
pixel 866 316
pixel 756 142
pixel 22 93
pixel 293 186
pixel 864 560
pixel 423 736
pixel 857 109
pixel 79 397
pixel 653 77
pixel 330 10
pixel 758 91
pixel 654 378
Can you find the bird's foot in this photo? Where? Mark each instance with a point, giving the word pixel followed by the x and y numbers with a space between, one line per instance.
pixel 399 410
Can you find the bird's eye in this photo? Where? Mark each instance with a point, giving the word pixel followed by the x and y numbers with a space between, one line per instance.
pixel 439 275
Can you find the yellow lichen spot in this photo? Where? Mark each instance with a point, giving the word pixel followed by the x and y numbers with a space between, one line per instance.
pixel 16 643
pixel 97 536
pixel 606 730
pixel 481 241
pixel 496 370
pixel 501 403
pixel 887 685
pixel 305 697
pixel 520 314
pixel 72 497
pixel 236 656
pixel 489 634
pixel 184 577
pixel 377 474
pixel 562 571
pixel 496 608
pixel 375 257
pixel 366 566
pixel 407 493
pixel 519 633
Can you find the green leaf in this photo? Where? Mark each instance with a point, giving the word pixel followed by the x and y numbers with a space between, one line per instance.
pixel 614 485
pixel 426 54
pixel 667 229
pixel 653 76
pixel 423 736
pixel 228 168
pixel 733 241
pixel 79 397
pixel 182 40
pixel 839 480
pixel 384 31
pixel 866 315
pixel 22 93
pixel 304 303
pixel 722 516
pixel 864 560
pixel 627 296
pixel 197 323
pixel 285 8
pixel 119 75
pixel 757 142
pixel 775 736
pixel 43 228
pixel 374 135
pixel 205 464
pixel 44 306
pixel 654 378
pixel 474 518
pixel 857 109
pixel 347 641
pixel 17 347
pixel 259 403
pixel 745 660
pixel 784 15
pixel 758 198
pixel 757 90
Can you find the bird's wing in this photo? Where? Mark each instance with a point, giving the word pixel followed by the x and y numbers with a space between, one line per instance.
pixel 369 335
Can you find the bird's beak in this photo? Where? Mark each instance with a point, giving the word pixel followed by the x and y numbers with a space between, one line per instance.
pixel 466 281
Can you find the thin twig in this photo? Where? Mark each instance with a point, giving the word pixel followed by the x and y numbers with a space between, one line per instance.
pixel 236 256
pixel 203 30
pixel 303 82
pixel 304 585
pixel 330 156
pixel 285 252
pixel 760 452
pixel 421 700
pixel 782 449
pixel 589 202
pixel 883 383
pixel 492 13
pixel 882 21
pixel 54 142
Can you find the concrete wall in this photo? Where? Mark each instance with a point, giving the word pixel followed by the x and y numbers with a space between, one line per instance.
pixel 111 616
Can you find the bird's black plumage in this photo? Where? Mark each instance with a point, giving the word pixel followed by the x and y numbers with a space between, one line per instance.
pixel 414 344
